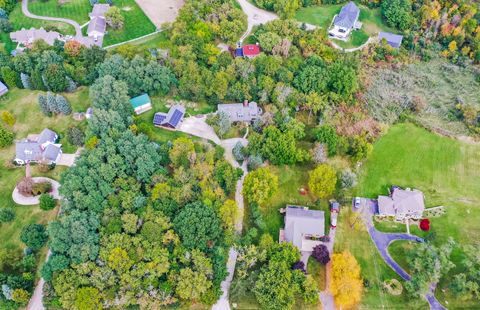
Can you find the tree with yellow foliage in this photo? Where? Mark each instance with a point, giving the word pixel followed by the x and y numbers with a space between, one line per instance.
pixel 347 285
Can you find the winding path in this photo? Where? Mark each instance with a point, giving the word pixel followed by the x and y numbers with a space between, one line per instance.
pixel 255 16
pixel 26 12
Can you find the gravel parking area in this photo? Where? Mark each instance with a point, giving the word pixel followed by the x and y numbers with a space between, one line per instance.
pixel 159 12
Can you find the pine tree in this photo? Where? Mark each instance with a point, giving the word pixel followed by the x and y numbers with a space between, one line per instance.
pixel 25 81
pixel 62 105
pixel 37 80
pixel 42 102
pixel 52 103
pixel 72 86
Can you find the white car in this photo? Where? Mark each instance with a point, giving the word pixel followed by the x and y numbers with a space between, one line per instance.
pixel 357 202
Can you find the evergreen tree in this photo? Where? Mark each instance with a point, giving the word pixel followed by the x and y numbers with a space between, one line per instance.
pixel 42 102
pixel 25 81
pixel 62 105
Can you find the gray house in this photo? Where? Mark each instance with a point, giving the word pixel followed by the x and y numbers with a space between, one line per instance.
pixel 402 204
pixel 345 21
pixel 27 36
pixel 241 112
pixel 3 89
pixel 303 227
pixel 170 120
pixel 98 24
pixel 41 148
pixel 394 40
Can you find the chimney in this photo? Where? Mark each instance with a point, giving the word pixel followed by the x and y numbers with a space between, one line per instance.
pixel 245 103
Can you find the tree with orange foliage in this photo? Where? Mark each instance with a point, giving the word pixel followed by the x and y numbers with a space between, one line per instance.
pixel 73 48
pixel 347 285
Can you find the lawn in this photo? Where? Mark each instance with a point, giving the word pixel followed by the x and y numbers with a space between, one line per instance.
pixel 158 40
pixel 318 271
pixel 76 10
pixel 322 16
pixel 398 250
pixel 446 170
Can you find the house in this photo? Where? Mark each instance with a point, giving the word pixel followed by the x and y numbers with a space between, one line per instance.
pixel 240 112
pixel 141 104
pixel 247 51
pixel 27 37
pixel 394 40
pixel 402 204
pixel 346 21
pixel 303 227
pixel 3 89
pixel 41 148
pixel 98 24
pixel 170 120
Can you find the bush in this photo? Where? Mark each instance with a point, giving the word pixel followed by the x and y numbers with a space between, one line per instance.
pixel 75 136
pixel 238 152
pixel 47 202
pixel 320 253
pixel 6 215
pixel 299 266
pixel 25 186
pixel 8 118
pixel 6 137
pixel 41 188
pixel 34 236
pixel 254 162
pixel 348 179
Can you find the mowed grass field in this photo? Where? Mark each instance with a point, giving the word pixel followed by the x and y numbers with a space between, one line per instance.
pixel 446 170
pixel 20 21
pixel 322 16
pixel 76 10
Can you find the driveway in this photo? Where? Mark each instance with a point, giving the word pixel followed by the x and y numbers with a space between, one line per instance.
pixel 35 200
pixel 26 12
pixel 255 16
pixel 66 160
pixel 196 126
pixel 159 12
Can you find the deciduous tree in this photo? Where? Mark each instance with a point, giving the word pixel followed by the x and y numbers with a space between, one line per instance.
pixel 322 181
pixel 260 185
pixel 346 286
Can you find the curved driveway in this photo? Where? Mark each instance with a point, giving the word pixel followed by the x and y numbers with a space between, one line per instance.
pixel 35 200
pixel 255 16
pixel 26 12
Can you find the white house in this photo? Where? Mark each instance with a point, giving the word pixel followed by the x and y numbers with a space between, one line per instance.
pixel 345 22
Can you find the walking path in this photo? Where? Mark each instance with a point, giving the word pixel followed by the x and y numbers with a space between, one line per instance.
pixel 35 200
pixel 350 50
pixel 255 16
pixel 383 240
pixel 26 12
pixel 196 126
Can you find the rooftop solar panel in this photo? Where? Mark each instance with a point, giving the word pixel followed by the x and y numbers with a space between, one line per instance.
pixel 176 117
pixel 159 118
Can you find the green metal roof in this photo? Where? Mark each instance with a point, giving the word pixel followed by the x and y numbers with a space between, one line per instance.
pixel 140 100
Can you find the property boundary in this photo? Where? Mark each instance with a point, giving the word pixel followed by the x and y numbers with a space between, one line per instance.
pixel 135 39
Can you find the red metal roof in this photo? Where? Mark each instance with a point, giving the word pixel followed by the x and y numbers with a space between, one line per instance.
pixel 251 50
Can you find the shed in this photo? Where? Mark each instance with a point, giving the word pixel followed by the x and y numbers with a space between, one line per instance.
pixel 141 104
pixel 394 40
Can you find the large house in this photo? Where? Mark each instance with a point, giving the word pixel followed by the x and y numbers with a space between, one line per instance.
pixel 402 204
pixel 98 24
pixel 3 89
pixel 170 120
pixel 303 227
pixel 26 37
pixel 345 22
pixel 394 40
pixel 141 104
pixel 240 112
pixel 40 148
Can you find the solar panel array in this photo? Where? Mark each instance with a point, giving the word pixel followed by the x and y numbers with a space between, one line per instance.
pixel 176 117
pixel 159 118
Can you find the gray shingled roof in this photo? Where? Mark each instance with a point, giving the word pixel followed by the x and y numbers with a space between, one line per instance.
pixel 348 15
pixel 99 9
pixel 47 135
pixel 401 202
pixel 300 222
pixel 3 88
pixel 51 152
pixel 97 24
pixel 394 40
pixel 240 112
pixel 28 36
pixel 28 150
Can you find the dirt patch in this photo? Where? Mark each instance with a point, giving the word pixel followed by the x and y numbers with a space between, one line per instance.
pixel 160 12
pixel 127 8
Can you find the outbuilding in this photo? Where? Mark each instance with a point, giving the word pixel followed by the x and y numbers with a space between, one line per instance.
pixel 141 104
pixel 394 40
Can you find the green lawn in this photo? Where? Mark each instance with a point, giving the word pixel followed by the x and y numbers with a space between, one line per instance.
pixel 318 271
pixel 398 250
pixel 158 40
pixel 76 10
pixel 446 170
pixel 357 38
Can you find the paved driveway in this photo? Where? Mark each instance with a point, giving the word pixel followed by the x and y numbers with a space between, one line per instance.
pixel 255 16
pixel 35 200
pixel 196 126
pixel 66 160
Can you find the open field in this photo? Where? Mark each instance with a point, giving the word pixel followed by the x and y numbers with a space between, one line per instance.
pixel 76 10
pixel 322 16
pixel 446 170
pixel 20 21
pixel 159 12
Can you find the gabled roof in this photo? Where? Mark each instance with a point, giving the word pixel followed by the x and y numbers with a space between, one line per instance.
pixel 3 87
pixel 171 119
pixel 240 112
pixel 251 50
pixel 28 150
pixel 394 40
pixel 47 135
pixel 28 36
pixel 140 101
pixel 300 222
pixel 401 202
pixel 97 24
pixel 99 10
pixel 51 152
pixel 348 15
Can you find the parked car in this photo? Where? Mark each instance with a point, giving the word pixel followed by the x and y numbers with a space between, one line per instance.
pixel 357 202
pixel 333 219
pixel 334 206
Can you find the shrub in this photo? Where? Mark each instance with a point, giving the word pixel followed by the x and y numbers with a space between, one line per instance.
pixel 34 236
pixel 41 188
pixel 25 186
pixel 75 136
pixel 299 266
pixel 254 162
pixel 6 215
pixel 238 152
pixel 348 179
pixel 9 76
pixel 425 224
pixel 319 153
pixel 47 202
pixel 8 118
pixel 321 254
pixel 6 137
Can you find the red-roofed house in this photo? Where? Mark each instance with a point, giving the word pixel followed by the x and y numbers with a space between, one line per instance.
pixel 251 50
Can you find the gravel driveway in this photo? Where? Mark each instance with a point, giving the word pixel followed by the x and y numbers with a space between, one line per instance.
pixel 255 16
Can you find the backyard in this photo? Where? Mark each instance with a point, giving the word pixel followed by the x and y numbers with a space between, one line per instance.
pixel 448 173
pixel 322 16
pixel 20 21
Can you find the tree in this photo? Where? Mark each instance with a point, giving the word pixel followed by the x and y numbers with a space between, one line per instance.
pixel 47 202
pixel 34 236
pixel 319 153
pixel 6 215
pixel 25 81
pixel 75 136
pixel 8 118
pixel 228 214
pixel 348 179
pixel 9 76
pixel 342 80
pixel 346 285
pixel 259 186
pixel 322 181
pixel 88 298
pixel 73 48
pixel 182 153
pixel 254 162
pixel 20 296
pixel 238 151
pixel 191 285
pixel 55 78
pixel 108 94
pixel 62 105
pixel 198 226
pixel 397 13
pixel 6 137
pixel 321 254
pixel 114 18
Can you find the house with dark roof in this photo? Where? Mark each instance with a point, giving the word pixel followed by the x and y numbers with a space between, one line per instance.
pixel 402 204
pixel 247 51
pixel 3 89
pixel 240 112
pixel 141 104
pixel 345 22
pixel 170 120
pixel 303 227
pixel 41 148
pixel 394 40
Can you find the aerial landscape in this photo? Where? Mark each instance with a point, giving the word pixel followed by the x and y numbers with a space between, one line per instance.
pixel 239 154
